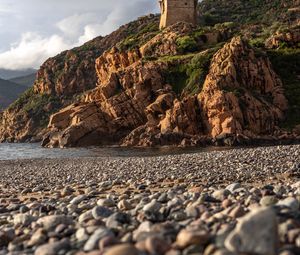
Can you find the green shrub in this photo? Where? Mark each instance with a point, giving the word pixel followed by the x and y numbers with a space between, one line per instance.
pixel 35 105
pixel 257 42
pixel 186 44
pixel 286 63
pixel 188 76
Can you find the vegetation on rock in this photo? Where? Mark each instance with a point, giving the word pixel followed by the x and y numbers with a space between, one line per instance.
pixel 179 56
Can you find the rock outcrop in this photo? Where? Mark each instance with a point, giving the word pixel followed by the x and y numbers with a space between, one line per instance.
pixel 62 78
pixel 290 38
pixel 143 87
pixel 241 94
pixel 133 105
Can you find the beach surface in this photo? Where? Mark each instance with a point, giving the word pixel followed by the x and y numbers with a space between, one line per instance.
pixel 197 203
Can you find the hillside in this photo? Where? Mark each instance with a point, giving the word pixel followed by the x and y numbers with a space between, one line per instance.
pixel 9 92
pixel 10 74
pixel 152 87
pixel 26 81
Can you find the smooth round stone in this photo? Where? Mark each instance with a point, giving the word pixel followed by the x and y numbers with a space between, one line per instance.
pixel 107 202
pixel 81 234
pixel 52 221
pixel 186 238
pixel 144 227
pixel 53 248
pixel 39 237
pixel 86 216
pixel 192 212
pixel 152 207
pixel 156 245
pixel 122 249
pixel 220 194
pixel 290 202
pixel 92 242
pixel 268 200
pixel 116 219
pixel 99 212
pixel 77 200
pixel 232 187
pixel 24 209
pixel 107 241
pixel 124 205
pixel 249 236
pixel 23 219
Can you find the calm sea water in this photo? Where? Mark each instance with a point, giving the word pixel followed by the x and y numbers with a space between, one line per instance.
pixel 35 151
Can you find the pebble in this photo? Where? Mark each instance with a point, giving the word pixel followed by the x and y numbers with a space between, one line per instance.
pixel 92 242
pixel 290 202
pixel 122 249
pixel 152 207
pixel 52 221
pixel 99 212
pixel 53 248
pixel 189 237
pixel 226 202
pixel 256 233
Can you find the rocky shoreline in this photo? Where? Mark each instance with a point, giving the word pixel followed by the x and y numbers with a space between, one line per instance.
pixel 239 201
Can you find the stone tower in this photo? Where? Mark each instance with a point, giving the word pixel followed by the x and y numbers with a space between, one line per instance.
pixel 173 11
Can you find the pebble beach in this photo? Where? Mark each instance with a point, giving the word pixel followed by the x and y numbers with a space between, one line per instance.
pixel 228 202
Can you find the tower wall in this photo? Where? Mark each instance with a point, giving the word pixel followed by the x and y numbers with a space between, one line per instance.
pixel 173 11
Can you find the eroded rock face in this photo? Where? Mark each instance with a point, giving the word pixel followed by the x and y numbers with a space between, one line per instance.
pixel 133 105
pixel 241 94
pixel 290 38
pixel 111 110
pixel 64 77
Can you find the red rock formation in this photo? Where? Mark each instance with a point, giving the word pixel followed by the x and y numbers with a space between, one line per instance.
pixel 241 94
pixel 132 103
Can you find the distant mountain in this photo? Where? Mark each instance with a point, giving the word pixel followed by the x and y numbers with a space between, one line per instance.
pixel 9 92
pixel 26 81
pixel 10 74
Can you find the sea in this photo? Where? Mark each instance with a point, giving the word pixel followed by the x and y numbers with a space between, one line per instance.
pixel 13 151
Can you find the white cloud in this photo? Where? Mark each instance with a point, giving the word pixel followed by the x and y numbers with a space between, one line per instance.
pixel 57 25
pixel 31 51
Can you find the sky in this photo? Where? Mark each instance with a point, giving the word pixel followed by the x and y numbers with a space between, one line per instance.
pixel 33 30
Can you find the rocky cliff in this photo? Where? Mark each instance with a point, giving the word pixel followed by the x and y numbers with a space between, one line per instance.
pixel 60 81
pixel 134 104
pixel 184 85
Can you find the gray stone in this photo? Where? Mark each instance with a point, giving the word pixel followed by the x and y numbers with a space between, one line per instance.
pixel 268 200
pixel 50 222
pixel 256 233
pixel 232 187
pixel 77 200
pixel 106 202
pixel 220 194
pixel 290 202
pixel 88 215
pixel 99 212
pixel 152 207
pixel 81 234
pixel 23 219
pixel 92 242
pixel 53 248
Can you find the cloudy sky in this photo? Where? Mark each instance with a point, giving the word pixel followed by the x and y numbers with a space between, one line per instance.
pixel 33 30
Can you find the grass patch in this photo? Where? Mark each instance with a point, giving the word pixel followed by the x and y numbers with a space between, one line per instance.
pixel 35 106
pixel 187 78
